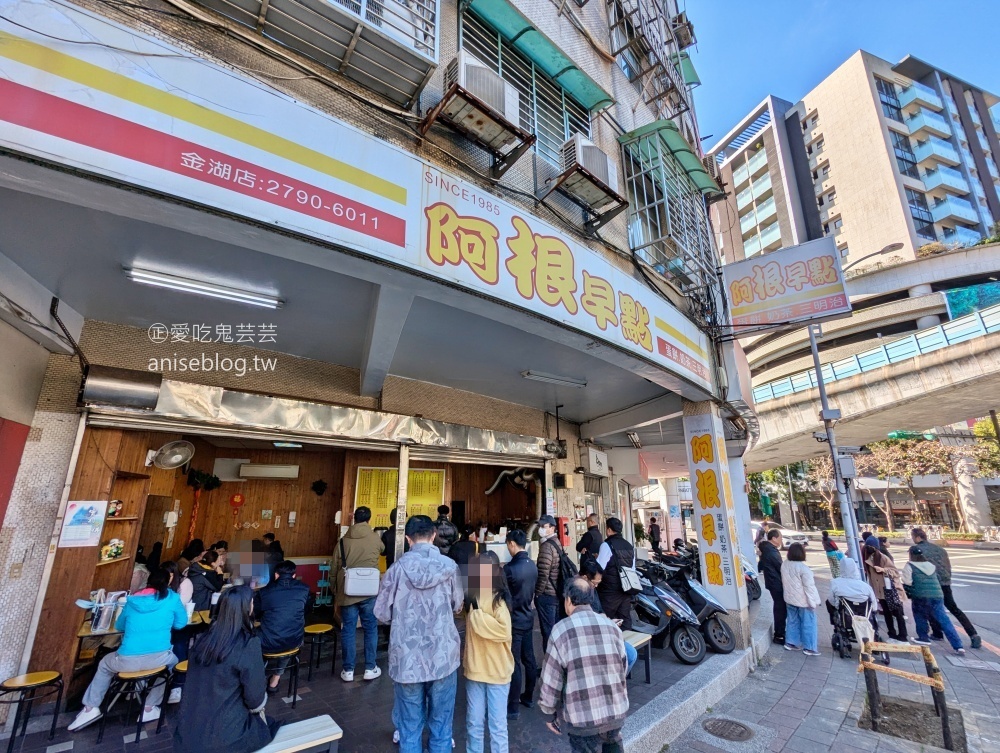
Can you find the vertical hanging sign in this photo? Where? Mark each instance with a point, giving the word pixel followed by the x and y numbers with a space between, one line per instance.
pixel 714 508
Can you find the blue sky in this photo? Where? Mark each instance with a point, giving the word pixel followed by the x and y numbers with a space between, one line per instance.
pixel 747 50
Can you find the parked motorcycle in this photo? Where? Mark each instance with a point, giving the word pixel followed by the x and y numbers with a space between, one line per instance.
pixel 661 613
pixel 676 572
pixel 752 578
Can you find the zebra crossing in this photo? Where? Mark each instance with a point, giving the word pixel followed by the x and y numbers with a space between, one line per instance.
pixel 978 569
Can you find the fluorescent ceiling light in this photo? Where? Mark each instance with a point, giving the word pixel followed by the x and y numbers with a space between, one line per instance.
pixel 541 376
pixel 287 445
pixel 634 439
pixel 208 289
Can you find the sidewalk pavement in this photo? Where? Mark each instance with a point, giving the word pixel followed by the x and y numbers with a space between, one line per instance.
pixel 803 704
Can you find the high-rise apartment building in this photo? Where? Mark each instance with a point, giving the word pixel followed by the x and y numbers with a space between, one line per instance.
pixel 876 155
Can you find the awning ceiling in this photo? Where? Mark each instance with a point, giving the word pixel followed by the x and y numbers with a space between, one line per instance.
pixel 677 145
pixel 521 33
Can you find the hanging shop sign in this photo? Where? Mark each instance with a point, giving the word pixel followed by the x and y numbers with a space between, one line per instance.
pixel 786 287
pixel 175 123
pixel 376 489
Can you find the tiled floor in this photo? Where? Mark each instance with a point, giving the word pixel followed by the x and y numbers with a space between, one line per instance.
pixel 362 709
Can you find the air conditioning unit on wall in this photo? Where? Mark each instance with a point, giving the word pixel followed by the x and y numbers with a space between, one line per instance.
pixel 268 471
pixel 580 150
pixel 484 84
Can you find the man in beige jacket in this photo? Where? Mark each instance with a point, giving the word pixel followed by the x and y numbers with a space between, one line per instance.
pixel 360 547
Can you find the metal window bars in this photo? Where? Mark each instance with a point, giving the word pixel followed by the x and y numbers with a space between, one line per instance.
pixel 642 37
pixel 668 226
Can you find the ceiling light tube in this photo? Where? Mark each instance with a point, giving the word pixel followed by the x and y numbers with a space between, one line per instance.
pixel 197 287
pixel 541 376
pixel 634 439
pixel 287 445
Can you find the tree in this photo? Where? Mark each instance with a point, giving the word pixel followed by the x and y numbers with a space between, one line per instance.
pixel 884 462
pixel 989 461
pixel 820 479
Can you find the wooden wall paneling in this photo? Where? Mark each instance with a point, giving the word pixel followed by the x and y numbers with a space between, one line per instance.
pixel 73 568
pixel 204 460
pixel 152 529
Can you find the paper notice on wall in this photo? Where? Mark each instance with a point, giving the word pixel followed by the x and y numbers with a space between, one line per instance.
pixel 83 524
pixel 377 489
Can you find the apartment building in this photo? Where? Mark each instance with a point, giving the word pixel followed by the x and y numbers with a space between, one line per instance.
pixel 876 155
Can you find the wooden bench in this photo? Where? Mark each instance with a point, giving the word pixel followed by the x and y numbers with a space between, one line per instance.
pixel 641 643
pixel 309 733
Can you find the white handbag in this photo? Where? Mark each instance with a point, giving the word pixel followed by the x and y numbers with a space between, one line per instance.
pixel 358 581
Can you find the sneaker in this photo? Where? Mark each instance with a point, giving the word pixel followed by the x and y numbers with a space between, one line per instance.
pixel 395 737
pixel 779 640
pixel 977 641
pixel 150 715
pixel 790 647
pixel 807 652
pixel 347 675
pixel 175 695
pixel 371 674
pixel 84 718
pixel 960 652
pixel 453 743
pixel 920 642
pixel 513 715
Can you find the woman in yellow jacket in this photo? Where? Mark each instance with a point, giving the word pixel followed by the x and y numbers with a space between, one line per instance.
pixel 488 663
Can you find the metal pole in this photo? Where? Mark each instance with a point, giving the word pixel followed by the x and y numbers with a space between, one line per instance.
pixel 846 508
pixel 401 492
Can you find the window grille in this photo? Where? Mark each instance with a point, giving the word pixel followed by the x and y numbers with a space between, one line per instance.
pixel 546 110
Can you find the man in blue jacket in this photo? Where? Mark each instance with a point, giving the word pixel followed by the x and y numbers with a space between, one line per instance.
pixel 281 608
pixel 521 574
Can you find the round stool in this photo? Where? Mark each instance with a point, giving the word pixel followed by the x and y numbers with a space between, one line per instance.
pixel 317 639
pixel 180 669
pixel 23 690
pixel 134 686
pixel 285 660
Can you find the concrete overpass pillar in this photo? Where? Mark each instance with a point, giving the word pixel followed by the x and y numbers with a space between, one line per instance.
pixel 972 496
pixel 715 519
pixel 924 322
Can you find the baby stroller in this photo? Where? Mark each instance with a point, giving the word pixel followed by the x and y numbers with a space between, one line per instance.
pixel 853 622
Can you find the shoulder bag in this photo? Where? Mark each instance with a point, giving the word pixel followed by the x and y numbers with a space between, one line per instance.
pixel 629 577
pixel 358 581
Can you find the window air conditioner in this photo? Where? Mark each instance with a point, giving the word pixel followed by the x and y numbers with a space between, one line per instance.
pixel 683 30
pixel 268 471
pixel 485 85
pixel 581 152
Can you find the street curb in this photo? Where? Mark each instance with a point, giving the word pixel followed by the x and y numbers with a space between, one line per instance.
pixel 663 719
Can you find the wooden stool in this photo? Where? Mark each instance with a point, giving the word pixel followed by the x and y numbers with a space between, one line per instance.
pixel 24 689
pixel 317 637
pixel 134 685
pixel 271 662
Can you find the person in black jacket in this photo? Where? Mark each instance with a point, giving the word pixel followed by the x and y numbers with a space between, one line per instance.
pixel 275 554
pixel 615 553
pixel 281 608
pixel 547 587
pixel 222 710
pixel 654 534
pixel 389 541
pixel 521 575
pixel 590 543
pixel 463 550
pixel 206 580
pixel 769 566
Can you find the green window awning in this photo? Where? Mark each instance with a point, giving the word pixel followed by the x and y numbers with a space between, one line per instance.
pixel 671 140
pixel 528 40
pixel 684 64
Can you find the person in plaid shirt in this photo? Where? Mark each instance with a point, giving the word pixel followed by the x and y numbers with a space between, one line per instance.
pixel 584 674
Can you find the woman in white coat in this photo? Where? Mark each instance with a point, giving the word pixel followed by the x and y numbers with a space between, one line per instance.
pixel 801 598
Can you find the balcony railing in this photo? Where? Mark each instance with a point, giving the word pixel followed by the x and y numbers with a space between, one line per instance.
pixel 963 236
pixel 770 236
pixel 388 46
pixel 751 246
pixel 945 178
pixel 936 149
pixel 741 175
pixel 766 210
pixel 744 197
pixel 758 162
pixel 921 94
pixel 925 341
pixel 762 186
pixel 930 122
pixel 951 208
pixel 748 221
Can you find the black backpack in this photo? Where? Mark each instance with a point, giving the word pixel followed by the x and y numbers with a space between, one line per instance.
pixel 567 571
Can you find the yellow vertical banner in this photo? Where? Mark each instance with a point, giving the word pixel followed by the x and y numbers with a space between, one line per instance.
pixel 377 488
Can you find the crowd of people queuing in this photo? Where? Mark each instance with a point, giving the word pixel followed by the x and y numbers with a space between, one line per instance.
pixel 924 580
pixel 442 572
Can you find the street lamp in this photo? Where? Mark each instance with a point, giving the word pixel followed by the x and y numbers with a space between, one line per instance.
pixel 829 416
pixel 885 250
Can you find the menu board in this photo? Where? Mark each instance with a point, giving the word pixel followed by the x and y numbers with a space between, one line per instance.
pixel 377 489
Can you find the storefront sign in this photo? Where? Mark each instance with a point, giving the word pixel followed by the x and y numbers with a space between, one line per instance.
pixel 83 524
pixel 714 509
pixel 786 286
pixel 178 124
pixel 377 489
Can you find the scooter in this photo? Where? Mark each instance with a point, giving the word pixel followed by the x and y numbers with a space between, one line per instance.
pixel 751 577
pixel 658 611
pixel 676 572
